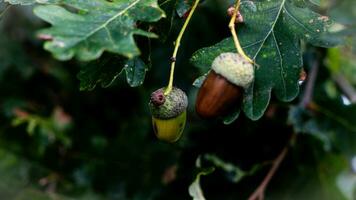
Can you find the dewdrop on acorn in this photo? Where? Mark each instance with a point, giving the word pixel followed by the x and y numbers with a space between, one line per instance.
pixel 223 87
pixel 168 113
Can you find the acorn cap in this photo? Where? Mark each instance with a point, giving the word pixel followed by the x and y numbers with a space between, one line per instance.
pixel 170 106
pixel 234 68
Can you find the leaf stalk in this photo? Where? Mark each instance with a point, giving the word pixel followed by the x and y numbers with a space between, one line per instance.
pixel 177 44
pixel 234 34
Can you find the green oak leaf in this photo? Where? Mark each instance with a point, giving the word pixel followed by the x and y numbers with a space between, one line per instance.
pixel 195 190
pixel 232 116
pixel 101 72
pixel 20 2
pixel 183 6
pixel 30 2
pixel 316 2
pixel 345 13
pixel 98 26
pixel 105 71
pixel 234 173
pixel 271 35
pixel 135 72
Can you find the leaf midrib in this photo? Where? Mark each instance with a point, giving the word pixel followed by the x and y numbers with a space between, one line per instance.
pixel 104 25
pixel 264 40
pixel 281 62
pixel 272 28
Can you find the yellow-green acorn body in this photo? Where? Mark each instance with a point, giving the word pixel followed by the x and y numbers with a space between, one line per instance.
pixel 168 113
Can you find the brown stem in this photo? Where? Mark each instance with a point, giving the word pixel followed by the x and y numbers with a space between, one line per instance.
pixel 309 89
pixel 346 87
pixel 258 194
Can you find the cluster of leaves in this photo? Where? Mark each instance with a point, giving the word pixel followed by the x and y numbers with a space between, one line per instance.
pixel 271 35
pixel 78 137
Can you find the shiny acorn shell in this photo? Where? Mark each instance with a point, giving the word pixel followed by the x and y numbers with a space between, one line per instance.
pixel 168 113
pixel 224 85
pixel 216 96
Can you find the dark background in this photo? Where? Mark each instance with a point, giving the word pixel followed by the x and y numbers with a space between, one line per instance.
pixel 57 142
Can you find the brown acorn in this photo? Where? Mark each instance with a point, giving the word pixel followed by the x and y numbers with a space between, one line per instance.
pixel 223 87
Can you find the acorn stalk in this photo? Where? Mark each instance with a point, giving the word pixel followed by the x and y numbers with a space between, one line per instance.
pixel 168 113
pixel 223 87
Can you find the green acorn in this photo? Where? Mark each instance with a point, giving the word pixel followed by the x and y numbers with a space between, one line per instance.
pixel 168 113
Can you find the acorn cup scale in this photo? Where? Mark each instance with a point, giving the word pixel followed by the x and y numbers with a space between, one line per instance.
pixel 168 113
pixel 223 87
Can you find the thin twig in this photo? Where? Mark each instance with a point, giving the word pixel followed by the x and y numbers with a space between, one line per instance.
pixel 333 116
pixel 346 87
pixel 258 194
pixel 177 44
pixel 309 89
pixel 234 34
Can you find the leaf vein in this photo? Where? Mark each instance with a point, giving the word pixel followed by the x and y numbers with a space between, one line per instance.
pixel 281 62
pixel 298 22
pixel 253 44
pixel 110 36
pixel 104 25
pixel 273 25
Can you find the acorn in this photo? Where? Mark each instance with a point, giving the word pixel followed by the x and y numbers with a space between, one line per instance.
pixel 223 87
pixel 168 113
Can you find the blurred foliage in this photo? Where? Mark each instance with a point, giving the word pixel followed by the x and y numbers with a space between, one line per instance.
pixel 195 190
pixel 87 32
pixel 57 142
